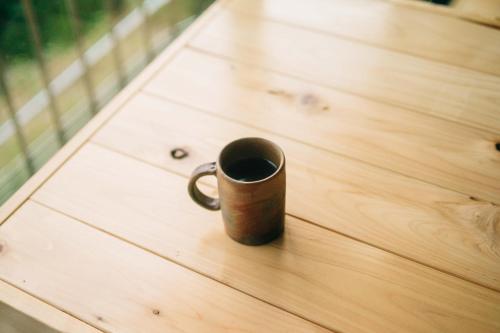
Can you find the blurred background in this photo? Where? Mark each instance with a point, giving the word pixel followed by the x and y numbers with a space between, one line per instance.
pixel 62 60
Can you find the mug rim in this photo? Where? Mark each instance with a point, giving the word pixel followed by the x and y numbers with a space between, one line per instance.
pixel 266 141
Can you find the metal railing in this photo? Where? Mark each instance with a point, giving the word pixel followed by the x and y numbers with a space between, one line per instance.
pixel 46 99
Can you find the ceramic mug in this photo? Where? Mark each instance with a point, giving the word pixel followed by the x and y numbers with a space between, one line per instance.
pixel 252 183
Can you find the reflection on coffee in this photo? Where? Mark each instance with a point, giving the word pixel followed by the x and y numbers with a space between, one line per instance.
pixel 250 169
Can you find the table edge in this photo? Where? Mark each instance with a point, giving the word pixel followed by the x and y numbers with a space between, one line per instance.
pixel 12 295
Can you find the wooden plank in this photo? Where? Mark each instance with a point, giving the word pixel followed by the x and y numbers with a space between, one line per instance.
pixel 20 312
pixel 440 228
pixel 330 279
pixel 444 153
pixel 18 198
pixel 384 24
pixel 121 288
pixel 438 89
pixel 485 11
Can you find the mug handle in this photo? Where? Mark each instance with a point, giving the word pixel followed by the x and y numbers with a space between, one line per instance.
pixel 199 197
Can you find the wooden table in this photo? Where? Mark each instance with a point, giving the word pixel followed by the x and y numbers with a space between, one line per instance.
pixel 389 116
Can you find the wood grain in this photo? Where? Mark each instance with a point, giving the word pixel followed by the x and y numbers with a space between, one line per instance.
pixel 429 35
pixel 20 313
pixel 121 288
pixel 431 149
pixel 483 11
pixel 438 89
pixel 421 221
pixel 332 280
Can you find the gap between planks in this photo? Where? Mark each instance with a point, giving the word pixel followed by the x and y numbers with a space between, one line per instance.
pixel 166 169
pixel 131 243
pixel 336 88
pixel 218 115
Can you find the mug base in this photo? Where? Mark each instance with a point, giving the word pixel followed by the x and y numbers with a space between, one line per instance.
pixel 258 240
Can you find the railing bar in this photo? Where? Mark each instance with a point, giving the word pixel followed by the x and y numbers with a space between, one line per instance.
pixel 147 35
pixel 13 118
pixel 201 4
pixel 174 26
pixel 80 47
pixel 37 47
pixel 117 56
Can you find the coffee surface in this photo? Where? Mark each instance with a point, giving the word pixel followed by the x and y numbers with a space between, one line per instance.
pixel 250 169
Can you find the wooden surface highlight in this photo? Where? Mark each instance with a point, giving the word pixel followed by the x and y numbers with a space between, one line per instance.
pixel 380 23
pixel 438 89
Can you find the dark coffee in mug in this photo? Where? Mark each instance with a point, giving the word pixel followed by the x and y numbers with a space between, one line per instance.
pixel 251 169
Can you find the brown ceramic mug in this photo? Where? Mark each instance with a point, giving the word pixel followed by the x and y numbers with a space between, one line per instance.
pixel 251 181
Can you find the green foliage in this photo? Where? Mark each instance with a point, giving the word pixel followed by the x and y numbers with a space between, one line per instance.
pixel 53 21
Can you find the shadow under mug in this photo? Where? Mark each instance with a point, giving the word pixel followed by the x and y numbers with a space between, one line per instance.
pixel 253 211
